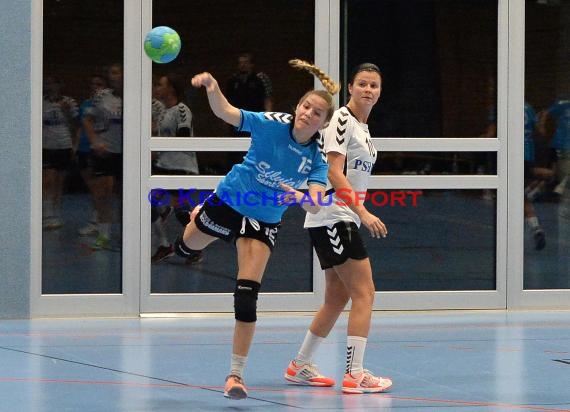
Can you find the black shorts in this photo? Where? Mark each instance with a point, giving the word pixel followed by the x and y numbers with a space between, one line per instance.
pixel 217 219
pixel 59 159
pixel 108 164
pixel 335 245
pixel 84 160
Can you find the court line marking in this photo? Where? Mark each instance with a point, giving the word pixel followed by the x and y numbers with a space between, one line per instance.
pixel 172 383
pixel 175 385
pixel 169 381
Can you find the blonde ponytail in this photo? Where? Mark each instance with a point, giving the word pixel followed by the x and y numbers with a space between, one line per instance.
pixel 328 83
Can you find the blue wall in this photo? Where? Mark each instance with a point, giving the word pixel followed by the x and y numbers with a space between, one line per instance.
pixel 15 43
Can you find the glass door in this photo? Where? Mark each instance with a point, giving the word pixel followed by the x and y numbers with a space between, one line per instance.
pixel 178 171
pixel 440 128
pixel 85 260
pixel 540 113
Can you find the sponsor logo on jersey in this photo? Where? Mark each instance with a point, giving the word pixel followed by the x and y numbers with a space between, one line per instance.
pixel 272 178
pixel 363 165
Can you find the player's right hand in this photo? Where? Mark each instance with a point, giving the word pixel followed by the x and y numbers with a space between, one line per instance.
pixel 204 79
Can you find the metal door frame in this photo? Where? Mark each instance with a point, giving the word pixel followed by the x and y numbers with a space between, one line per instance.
pixel 517 296
pixel 127 302
pixel 326 36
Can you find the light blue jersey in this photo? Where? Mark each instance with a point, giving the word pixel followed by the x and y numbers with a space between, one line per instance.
pixel 561 111
pixel 84 145
pixel 530 120
pixel 274 157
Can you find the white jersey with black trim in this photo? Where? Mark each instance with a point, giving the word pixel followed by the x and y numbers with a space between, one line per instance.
pixel 351 138
pixel 107 111
pixel 169 123
pixel 56 122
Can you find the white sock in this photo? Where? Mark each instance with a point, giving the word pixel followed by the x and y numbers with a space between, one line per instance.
pixel 532 222
pixel 561 187
pixel 356 345
pixel 159 227
pixel 48 209
pixel 308 348
pixel 238 365
pixel 104 229
pixel 57 208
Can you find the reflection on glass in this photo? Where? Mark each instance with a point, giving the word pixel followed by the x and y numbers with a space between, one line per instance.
pixel 437 240
pixel 82 137
pixel 434 243
pixel 171 117
pixel 208 163
pixel 436 163
pixel 394 163
pixel 249 60
pixel 438 58
pixel 257 53
pixel 215 272
pixel 547 145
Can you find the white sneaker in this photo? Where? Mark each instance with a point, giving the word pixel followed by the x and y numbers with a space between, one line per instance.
pixel 366 382
pixel 306 374
pixel 90 229
pixel 52 223
pixel 561 187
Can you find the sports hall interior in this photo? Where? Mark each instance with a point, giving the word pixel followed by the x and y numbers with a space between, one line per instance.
pixel 472 304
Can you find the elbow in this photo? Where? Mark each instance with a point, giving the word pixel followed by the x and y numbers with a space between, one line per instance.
pixel 314 209
pixel 314 206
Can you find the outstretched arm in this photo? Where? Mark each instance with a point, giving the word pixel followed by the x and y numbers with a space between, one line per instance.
pixel 311 204
pixel 218 102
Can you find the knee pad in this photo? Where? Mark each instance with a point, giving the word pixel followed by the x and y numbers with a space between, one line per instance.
pixel 245 300
pixel 182 250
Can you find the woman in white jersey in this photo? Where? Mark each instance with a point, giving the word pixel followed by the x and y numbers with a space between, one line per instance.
pixel 173 120
pixel 59 124
pixel 103 124
pixel 339 247
pixel 248 202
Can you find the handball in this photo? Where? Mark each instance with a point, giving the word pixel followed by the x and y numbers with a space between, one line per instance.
pixel 162 44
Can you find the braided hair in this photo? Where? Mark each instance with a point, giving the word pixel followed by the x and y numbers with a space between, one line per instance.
pixel 329 84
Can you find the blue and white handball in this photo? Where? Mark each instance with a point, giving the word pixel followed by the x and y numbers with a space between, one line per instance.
pixel 162 44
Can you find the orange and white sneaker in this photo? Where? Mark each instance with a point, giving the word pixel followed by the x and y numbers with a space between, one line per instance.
pixel 306 374
pixel 366 382
pixel 235 388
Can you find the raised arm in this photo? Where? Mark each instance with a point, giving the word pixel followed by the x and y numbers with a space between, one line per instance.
pixel 218 102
